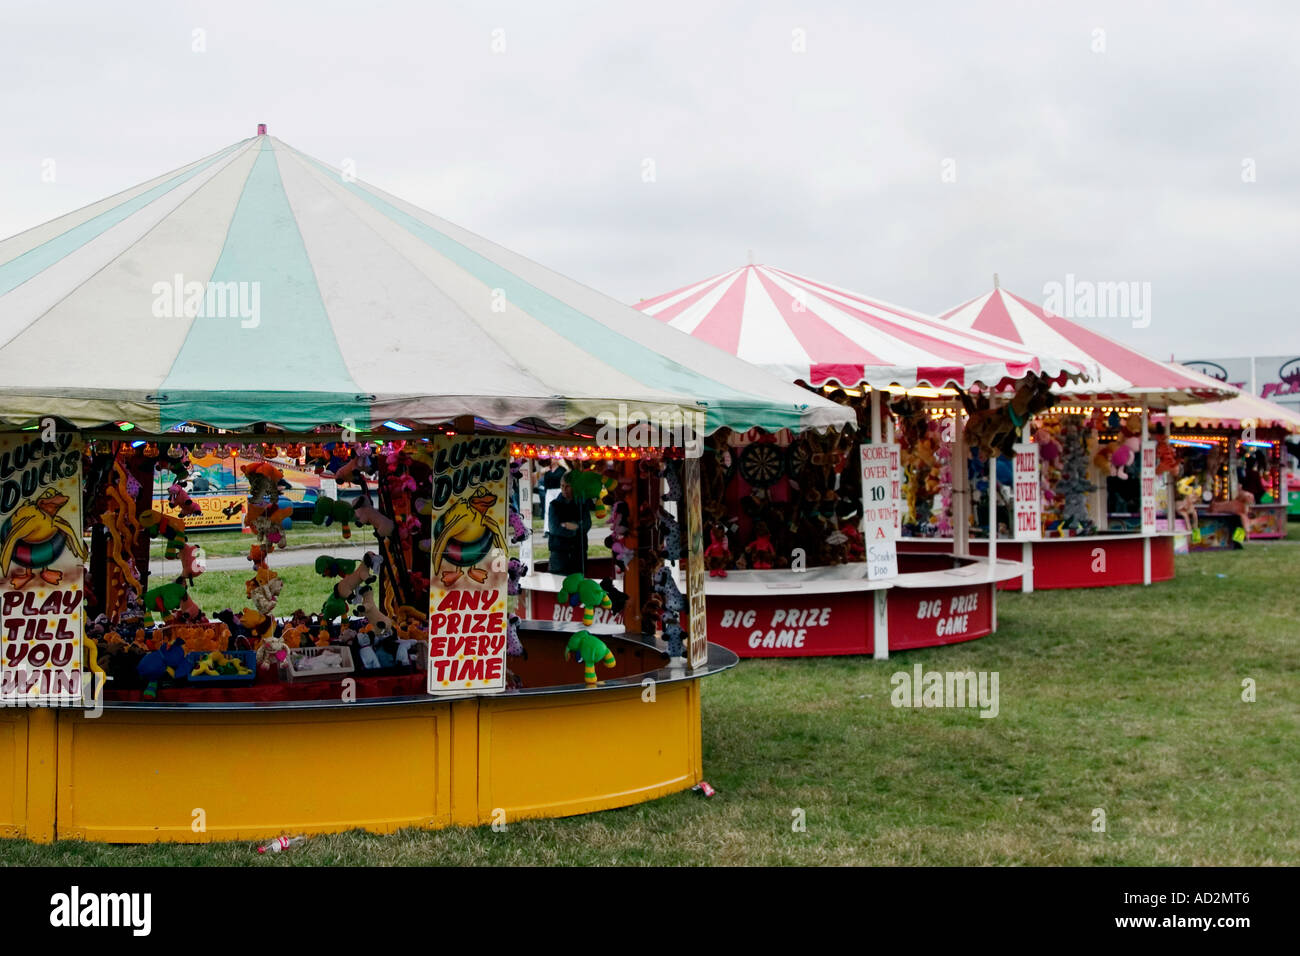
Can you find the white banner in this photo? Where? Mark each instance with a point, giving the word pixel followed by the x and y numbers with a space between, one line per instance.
pixel 880 509
pixel 1148 481
pixel 1027 509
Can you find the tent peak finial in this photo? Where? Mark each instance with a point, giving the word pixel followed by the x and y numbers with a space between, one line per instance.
pixel 749 255
pixel 995 281
pixel 261 129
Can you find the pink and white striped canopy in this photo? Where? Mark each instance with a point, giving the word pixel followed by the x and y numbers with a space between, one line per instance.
pixel 1123 373
pixel 805 330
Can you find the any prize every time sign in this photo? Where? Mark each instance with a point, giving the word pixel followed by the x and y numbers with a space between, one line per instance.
pixel 1148 487
pixel 1027 509
pixel 880 509
pixel 41 568
pixel 469 559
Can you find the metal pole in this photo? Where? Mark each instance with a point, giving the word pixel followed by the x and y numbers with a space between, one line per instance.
pixel 1146 538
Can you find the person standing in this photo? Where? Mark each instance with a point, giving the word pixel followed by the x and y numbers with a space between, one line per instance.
pixel 550 483
pixel 567 522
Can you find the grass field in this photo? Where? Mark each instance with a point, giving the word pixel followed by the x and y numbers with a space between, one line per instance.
pixel 1126 699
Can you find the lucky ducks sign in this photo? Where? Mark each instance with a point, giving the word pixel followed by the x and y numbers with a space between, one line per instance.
pixel 42 568
pixel 468 586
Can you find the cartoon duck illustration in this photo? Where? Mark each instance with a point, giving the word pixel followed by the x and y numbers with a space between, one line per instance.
pixel 33 538
pixel 464 535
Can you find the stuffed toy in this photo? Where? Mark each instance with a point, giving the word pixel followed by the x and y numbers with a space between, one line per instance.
pixel 272 652
pixel 661 579
pixel 514 646
pixel 675 637
pixel 217 664
pixel 171 597
pixel 369 659
pixel 400 488
pixel 351 574
pixel 518 531
pixel 156 523
pixel 168 662
pixel 672 481
pixel 995 430
pixel 670 536
pixel 179 499
pixel 263 589
pixel 514 571
pixel 380 623
pixel 717 556
pixel 367 513
pixel 263 482
pixel 652 614
pixel 193 562
pixel 759 553
pixel 834 548
pixel 591 650
pixel 328 510
pixel 589 486
pixel 579 591
pixel 617 599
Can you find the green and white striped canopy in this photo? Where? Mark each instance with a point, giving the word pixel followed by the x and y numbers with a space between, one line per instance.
pixel 260 285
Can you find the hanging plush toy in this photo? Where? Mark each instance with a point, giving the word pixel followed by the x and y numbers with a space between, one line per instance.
pixel 759 553
pixel 583 592
pixel 156 523
pixel 589 486
pixel 591 650
pixel 670 536
pixel 366 513
pixel 193 563
pixel 717 556
pixel 675 637
pixel 180 499
pixel 514 571
pixel 328 510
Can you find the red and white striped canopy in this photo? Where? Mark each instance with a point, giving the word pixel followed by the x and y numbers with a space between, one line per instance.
pixel 818 333
pixel 1123 372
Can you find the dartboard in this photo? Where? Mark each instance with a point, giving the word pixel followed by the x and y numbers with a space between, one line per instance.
pixel 761 465
pixel 797 459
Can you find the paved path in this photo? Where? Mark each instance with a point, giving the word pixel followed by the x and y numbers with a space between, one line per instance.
pixel 279 559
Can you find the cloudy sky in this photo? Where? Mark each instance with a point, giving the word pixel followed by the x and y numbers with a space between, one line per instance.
pixel 904 150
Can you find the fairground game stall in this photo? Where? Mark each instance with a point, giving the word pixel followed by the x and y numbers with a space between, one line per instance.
pixel 858 542
pixel 260 307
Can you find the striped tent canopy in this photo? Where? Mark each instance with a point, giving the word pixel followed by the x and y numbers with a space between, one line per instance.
pixel 1241 411
pixel 260 285
pixel 803 330
pixel 1123 372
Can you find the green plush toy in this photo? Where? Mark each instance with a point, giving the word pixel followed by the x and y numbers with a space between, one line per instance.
pixel 328 511
pixel 577 591
pixel 156 523
pixel 591 649
pixel 589 486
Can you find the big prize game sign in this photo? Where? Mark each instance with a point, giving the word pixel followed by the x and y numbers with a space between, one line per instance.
pixel 42 569
pixel 469 559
